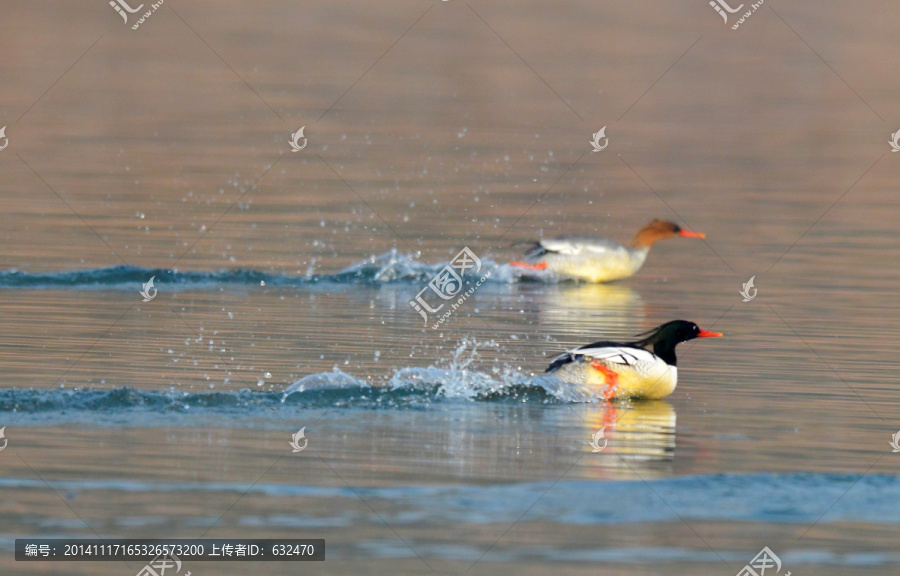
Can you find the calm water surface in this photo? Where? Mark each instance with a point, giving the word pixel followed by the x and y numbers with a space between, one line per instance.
pixel 284 283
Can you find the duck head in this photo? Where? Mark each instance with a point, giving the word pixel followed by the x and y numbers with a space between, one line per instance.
pixel 666 337
pixel 659 230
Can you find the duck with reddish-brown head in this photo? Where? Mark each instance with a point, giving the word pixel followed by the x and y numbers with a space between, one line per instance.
pixel 599 259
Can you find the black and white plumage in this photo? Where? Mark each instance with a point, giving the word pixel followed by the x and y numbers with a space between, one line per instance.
pixel 629 370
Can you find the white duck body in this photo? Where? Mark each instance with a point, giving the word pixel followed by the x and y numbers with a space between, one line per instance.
pixel 640 373
pixel 589 259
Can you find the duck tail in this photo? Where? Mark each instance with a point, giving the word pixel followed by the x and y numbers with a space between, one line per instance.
pixel 560 361
pixel 536 250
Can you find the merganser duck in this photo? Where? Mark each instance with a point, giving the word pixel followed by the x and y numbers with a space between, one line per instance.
pixel 599 259
pixel 628 370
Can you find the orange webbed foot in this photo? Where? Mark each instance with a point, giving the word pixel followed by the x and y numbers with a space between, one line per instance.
pixel 540 266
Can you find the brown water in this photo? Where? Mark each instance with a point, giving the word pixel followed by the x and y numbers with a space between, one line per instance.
pixel 433 126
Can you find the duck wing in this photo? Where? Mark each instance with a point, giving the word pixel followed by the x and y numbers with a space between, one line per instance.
pixel 574 245
pixel 609 353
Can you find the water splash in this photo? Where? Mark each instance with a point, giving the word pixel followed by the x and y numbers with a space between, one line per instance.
pixel 388 268
pixel 407 388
